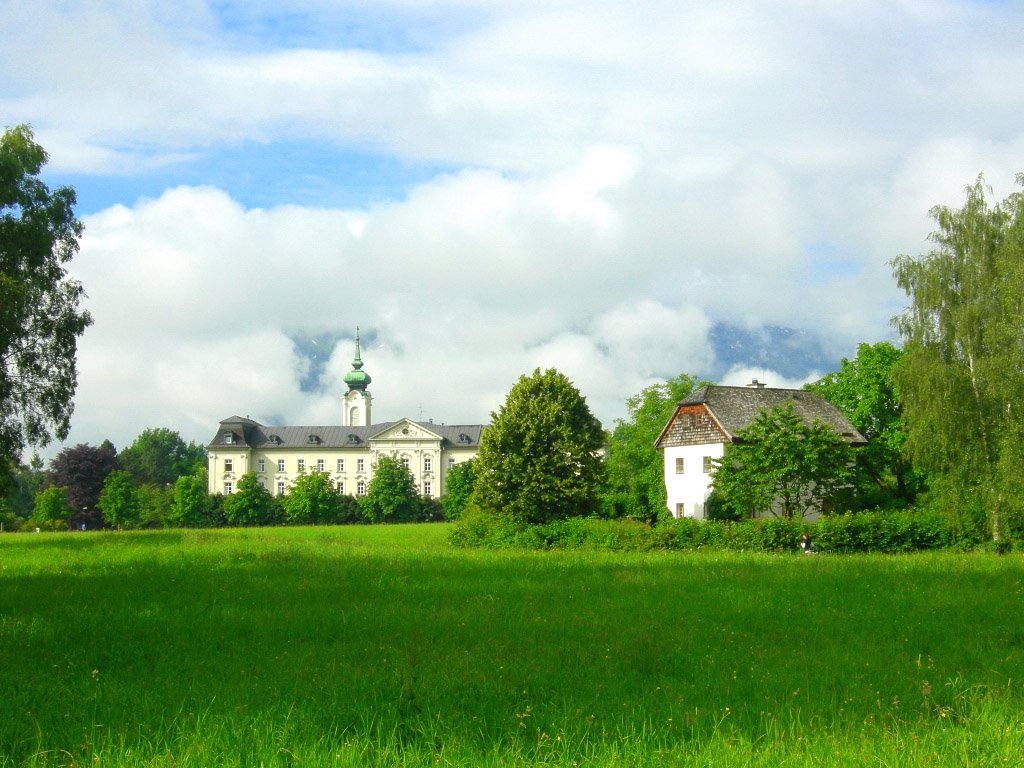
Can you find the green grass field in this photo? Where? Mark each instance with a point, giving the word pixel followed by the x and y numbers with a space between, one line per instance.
pixel 380 645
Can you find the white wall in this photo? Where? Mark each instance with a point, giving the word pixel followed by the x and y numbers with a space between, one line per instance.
pixel 691 487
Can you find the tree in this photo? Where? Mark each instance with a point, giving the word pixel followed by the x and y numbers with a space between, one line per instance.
pixel 864 391
pixel 18 501
pixel 458 488
pixel 159 457
pixel 52 512
pixel 391 496
pixel 191 507
pixel 81 470
pixel 783 466
pixel 960 376
pixel 313 499
pixel 250 504
pixel 636 474
pixel 39 318
pixel 119 500
pixel 539 460
pixel 155 503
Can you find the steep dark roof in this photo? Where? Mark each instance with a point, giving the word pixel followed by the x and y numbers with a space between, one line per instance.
pixel 252 434
pixel 736 407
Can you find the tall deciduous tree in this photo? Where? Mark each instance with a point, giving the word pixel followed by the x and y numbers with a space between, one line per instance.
pixel 159 457
pixel 863 389
pixel 960 379
pixel 783 466
pixel 81 470
pixel 391 496
pixel 539 460
pixel 39 317
pixel 312 499
pixel 52 512
pixel 458 489
pixel 636 476
pixel 191 507
pixel 119 500
pixel 250 504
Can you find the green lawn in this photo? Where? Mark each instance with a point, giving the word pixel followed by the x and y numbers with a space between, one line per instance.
pixel 370 645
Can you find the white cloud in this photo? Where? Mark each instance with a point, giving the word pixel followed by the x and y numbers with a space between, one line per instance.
pixel 618 179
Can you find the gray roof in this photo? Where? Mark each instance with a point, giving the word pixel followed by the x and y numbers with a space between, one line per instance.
pixel 736 407
pixel 252 434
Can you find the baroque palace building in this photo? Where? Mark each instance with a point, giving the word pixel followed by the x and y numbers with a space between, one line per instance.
pixel 347 453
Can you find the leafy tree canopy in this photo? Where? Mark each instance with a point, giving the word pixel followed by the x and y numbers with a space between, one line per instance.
pixel 458 488
pixel 959 378
pixel 312 499
pixel 191 507
pixel 52 512
pixel 391 496
pixel 864 390
pixel 39 317
pixel 783 466
pixel 539 460
pixel 636 475
pixel 250 504
pixel 81 470
pixel 119 500
pixel 159 457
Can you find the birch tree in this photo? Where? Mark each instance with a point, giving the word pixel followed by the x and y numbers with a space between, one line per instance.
pixel 961 377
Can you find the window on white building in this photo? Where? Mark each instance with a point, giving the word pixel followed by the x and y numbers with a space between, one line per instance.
pixel 680 465
pixel 302 465
pixel 319 465
pixel 360 465
pixel 428 464
pixel 708 465
pixel 360 488
pixel 228 488
pixel 261 465
pixel 229 438
pixel 680 510
pixel 280 488
pixel 280 465
pixel 341 486
pixel 405 462
pixel 451 462
pixel 228 465
pixel 341 465
pixel 427 488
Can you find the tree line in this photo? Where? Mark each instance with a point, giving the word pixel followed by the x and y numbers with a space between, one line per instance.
pixel 942 412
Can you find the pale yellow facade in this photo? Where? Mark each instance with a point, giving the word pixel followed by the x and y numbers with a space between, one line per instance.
pixel 347 453
pixel 428 450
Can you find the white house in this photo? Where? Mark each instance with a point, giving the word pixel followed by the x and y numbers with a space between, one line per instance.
pixel 279 454
pixel 712 416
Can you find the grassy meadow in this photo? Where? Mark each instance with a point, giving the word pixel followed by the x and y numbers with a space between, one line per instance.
pixel 382 645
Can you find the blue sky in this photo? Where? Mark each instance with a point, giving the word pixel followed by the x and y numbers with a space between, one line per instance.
pixel 622 191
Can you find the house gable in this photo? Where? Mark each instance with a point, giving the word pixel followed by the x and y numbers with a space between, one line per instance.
pixel 691 425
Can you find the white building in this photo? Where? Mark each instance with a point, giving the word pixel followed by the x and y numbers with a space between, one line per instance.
pixel 348 453
pixel 712 416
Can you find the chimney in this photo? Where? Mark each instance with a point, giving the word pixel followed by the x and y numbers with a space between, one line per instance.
pixel 755 384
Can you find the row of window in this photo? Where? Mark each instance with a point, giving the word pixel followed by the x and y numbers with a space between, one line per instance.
pixel 261 465
pixel 340 485
pixel 681 465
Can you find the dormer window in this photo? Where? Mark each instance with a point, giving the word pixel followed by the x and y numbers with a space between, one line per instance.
pixel 313 439
pixel 229 438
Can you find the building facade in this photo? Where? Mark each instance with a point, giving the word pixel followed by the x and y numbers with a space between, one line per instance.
pixel 696 435
pixel 279 454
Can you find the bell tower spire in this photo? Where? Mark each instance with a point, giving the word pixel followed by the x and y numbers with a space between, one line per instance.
pixel 356 402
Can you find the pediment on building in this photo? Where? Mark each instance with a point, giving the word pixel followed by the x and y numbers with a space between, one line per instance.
pixel 405 429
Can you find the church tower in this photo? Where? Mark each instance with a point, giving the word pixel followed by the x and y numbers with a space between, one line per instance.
pixel 356 402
